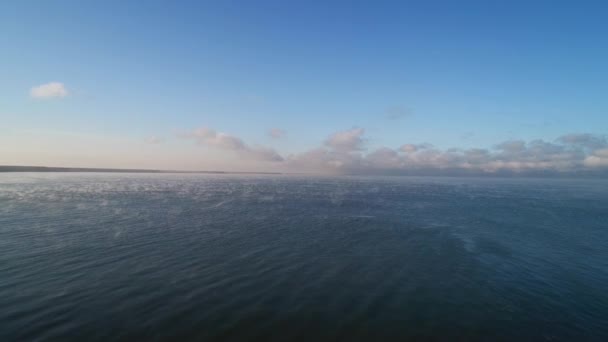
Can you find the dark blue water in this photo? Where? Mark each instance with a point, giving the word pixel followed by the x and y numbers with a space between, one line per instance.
pixel 229 258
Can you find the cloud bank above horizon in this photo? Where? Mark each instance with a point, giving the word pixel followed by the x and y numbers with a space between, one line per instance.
pixel 345 152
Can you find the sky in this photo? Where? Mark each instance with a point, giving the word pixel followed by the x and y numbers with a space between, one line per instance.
pixel 395 87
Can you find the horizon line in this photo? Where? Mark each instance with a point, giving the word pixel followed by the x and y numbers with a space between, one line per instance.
pixel 32 168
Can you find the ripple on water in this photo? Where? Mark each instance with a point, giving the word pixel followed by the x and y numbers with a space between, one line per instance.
pixel 132 257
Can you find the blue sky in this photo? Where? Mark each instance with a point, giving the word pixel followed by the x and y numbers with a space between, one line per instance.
pixel 454 74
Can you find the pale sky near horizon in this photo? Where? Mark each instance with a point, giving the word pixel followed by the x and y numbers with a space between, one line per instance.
pixel 327 86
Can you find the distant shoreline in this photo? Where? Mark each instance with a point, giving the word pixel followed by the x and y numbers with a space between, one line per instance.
pixel 48 169
pixel 18 168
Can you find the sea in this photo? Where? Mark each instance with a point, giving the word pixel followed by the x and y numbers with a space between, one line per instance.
pixel 195 257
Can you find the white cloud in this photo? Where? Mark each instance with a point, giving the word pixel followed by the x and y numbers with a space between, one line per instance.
pixel 276 133
pixel 595 162
pixel 599 159
pixel 49 90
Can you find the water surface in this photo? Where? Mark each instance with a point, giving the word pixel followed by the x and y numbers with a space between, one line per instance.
pixel 104 257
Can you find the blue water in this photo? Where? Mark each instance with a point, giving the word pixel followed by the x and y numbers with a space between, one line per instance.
pixel 102 257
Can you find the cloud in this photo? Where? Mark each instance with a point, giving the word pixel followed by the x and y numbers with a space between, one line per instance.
pixel 346 152
pixel 584 140
pixel 264 154
pixel 512 146
pixel 49 90
pixel 276 133
pixel 599 159
pixel 153 140
pixel 210 137
pixel 343 152
pixel 346 141
pixel 323 160
pixel 409 148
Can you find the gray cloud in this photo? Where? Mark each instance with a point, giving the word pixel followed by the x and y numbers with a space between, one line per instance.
pixel 209 137
pixel 584 140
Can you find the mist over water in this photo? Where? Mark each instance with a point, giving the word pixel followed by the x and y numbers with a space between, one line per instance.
pixel 102 257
